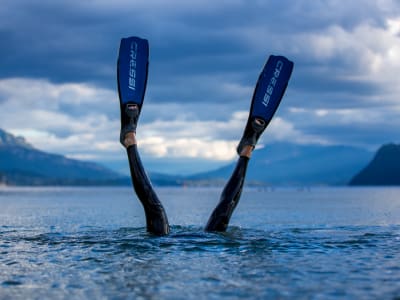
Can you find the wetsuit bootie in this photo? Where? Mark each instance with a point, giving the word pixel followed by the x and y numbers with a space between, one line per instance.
pixel 129 118
pixel 251 134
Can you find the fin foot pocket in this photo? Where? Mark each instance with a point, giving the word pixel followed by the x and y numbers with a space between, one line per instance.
pixel 252 133
pixel 129 119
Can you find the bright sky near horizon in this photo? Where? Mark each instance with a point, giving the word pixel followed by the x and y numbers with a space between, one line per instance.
pixel 58 75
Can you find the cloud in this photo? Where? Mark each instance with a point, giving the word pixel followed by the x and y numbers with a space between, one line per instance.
pixel 362 51
pixel 92 134
pixel 38 112
pixel 58 75
pixel 73 119
pixel 197 45
pixel 364 127
pixel 189 148
pixel 52 127
pixel 79 40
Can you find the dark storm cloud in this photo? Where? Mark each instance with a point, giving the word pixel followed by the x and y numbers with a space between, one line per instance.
pixel 54 41
pixel 201 51
pixel 364 135
pixel 314 83
pixel 75 41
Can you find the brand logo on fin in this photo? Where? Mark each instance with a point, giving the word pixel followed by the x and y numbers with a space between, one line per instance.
pixel 272 83
pixel 132 66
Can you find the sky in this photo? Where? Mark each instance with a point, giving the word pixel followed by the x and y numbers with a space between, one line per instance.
pixel 58 75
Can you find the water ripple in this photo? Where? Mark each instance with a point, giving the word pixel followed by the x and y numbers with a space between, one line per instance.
pixel 239 263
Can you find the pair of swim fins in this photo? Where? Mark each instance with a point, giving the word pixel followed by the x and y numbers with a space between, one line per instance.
pixel 132 73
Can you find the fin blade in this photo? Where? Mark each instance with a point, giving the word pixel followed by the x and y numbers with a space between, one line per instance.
pixel 132 70
pixel 268 93
pixel 271 87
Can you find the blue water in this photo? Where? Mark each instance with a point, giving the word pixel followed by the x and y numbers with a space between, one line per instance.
pixel 90 243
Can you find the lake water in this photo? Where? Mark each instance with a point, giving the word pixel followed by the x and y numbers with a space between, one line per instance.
pixel 91 243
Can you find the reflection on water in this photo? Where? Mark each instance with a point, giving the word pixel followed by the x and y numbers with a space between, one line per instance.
pixel 86 243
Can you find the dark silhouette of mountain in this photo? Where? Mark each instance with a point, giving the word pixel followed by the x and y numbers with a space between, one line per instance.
pixel 291 164
pixel 22 164
pixel 384 169
pixel 277 164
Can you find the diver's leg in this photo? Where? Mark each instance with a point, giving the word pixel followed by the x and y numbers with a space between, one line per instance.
pixel 231 193
pixel 268 93
pixel 230 196
pixel 156 218
pixel 132 73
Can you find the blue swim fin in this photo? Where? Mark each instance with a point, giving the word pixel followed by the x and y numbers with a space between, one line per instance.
pixel 132 72
pixel 271 86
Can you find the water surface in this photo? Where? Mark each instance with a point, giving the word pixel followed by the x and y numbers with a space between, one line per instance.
pixel 80 243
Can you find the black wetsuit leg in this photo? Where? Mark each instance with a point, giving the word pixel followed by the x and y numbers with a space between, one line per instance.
pixel 156 218
pixel 230 196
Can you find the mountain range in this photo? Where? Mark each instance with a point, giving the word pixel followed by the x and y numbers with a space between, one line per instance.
pixel 22 164
pixel 275 164
pixel 384 169
pixel 292 164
